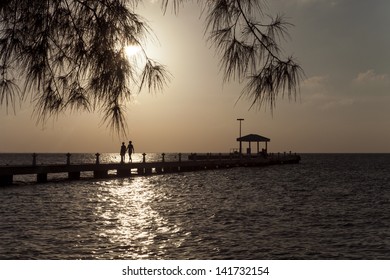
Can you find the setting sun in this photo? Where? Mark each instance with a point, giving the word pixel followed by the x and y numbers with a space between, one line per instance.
pixel 132 50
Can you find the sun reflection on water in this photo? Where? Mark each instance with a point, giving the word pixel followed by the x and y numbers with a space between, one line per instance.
pixel 127 217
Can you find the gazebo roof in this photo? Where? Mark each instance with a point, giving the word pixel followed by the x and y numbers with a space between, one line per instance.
pixel 253 138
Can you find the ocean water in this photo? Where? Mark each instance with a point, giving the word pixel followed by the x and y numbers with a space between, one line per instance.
pixel 330 206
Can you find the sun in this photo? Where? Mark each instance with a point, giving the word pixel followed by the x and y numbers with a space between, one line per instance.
pixel 132 50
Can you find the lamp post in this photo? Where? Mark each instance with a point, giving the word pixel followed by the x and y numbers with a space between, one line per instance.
pixel 240 120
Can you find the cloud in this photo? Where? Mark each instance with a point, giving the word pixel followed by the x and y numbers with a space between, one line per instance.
pixel 317 93
pixel 315 82
pixel 369 83
pixel 371 77
pixel 315 87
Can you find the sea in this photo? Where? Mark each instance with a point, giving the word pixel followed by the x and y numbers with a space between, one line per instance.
pixel 327 207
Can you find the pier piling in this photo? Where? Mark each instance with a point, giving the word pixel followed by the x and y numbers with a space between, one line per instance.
pixel 42 177
pixel 68 158
pixel 75 175
pixel 34 159
pixel 97 158
pixel 6 180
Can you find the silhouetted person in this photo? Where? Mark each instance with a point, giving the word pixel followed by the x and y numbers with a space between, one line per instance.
pixel 130 150
pixel 123 152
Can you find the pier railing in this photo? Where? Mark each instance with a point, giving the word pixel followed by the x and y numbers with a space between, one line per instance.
pixel 194 162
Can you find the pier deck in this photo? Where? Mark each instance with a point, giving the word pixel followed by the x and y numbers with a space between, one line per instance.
pixel 102 170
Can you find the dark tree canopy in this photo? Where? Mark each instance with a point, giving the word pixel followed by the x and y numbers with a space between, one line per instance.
pixel 69 54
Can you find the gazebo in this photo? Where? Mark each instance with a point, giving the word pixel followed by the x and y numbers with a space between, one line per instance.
pixel 253 138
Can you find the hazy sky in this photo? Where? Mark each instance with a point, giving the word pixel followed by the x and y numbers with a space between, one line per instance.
pixel 344 104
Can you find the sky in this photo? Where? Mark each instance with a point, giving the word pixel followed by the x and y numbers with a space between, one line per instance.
pixel 343 105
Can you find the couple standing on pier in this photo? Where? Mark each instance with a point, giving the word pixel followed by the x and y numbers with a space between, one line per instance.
pixel 124 149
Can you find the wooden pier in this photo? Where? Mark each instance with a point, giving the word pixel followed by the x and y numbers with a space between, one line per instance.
pixel 106 170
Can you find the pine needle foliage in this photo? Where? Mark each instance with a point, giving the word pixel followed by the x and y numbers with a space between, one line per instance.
pixel 248 43
pixel 69 55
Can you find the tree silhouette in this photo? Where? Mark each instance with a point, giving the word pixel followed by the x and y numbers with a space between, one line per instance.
pixel 70 54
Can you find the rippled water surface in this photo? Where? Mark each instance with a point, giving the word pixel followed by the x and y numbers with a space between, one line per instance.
pixel 327 207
